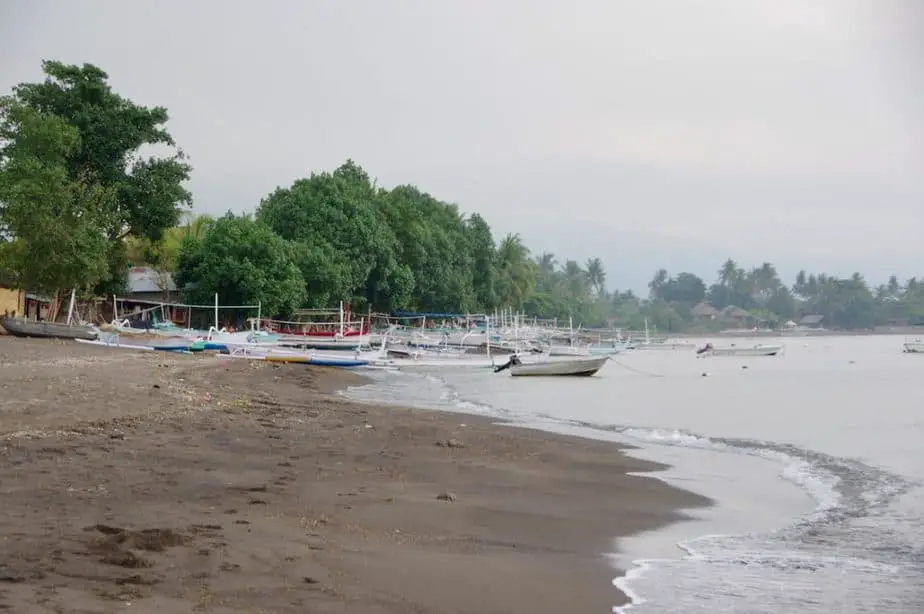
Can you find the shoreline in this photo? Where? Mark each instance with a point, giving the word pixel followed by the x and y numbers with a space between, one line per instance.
pixel 179 482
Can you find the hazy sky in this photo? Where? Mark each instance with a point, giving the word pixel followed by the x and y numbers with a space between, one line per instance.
pixel 651 133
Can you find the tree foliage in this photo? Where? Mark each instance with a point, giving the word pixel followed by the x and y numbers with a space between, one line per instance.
pixel 52 221
pixel 144 195
pixel 404 249
pixel 79 202
pixel 244 262
pixel 350 251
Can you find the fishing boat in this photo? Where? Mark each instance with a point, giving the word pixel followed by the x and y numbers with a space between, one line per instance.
pixel 20 327
pixel 914 346
pixel 577 366
pixel 342 334
pixel 115 343
pixel 287 355
pixel 558 350
pixel 180 345
pixel 319 361
pixel 606 349
pixel 660 343
pixel 740 351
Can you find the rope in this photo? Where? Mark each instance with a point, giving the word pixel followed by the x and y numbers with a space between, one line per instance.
pixel 639 371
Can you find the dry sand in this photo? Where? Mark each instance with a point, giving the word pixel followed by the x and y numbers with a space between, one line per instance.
pixel 143 482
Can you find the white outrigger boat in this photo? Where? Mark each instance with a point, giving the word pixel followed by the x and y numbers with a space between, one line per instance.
pixel 574 366
pixel 660 343
pixel 914 346
pixel 740 351
pixel 405 357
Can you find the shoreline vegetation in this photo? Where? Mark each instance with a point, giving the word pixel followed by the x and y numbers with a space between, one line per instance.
pixel 177 483
pixel 74 188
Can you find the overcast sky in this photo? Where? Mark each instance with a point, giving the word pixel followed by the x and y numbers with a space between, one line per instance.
pixel 650 133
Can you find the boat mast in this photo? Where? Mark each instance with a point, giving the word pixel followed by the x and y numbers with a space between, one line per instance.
pixel 487 332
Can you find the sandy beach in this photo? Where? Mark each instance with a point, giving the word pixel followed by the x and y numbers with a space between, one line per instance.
pixel 145 482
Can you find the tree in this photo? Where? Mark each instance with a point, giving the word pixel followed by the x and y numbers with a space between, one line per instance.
pixel 894 288
pixel 661 277
pixel 516 272
pixel 52 222
pixel 432 242
pixel 596 276
pixel 145 195
pixel 782 304
pixel 341 218
pixel 686 288
pixel 546 263
pixel 244 262
pixel 800 285
pixel 730 275
pixel 480 243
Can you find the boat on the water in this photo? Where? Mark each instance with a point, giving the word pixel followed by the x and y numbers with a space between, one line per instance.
pixel 574 366
pixel 914 346
pixel 20 327
pixel 735 350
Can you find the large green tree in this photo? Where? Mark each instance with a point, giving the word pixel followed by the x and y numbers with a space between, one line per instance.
pixel 480 244
pixel 52 221
pixel 146 192
pixel 516 272
pixel 244 262
pixel 349 247
pixel 432 242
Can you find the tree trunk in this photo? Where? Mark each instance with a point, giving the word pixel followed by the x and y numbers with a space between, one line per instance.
pixel 54 308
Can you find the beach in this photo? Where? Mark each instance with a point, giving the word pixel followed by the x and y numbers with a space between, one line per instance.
pixel 190 483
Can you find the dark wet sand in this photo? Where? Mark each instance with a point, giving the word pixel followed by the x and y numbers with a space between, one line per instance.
pixel 194 484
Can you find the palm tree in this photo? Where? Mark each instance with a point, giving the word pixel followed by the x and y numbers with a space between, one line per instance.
pixel 596 275
pixel 729 274
pixel 800 285
pixel 516 272
pixel 576 280
pixel 659 280
pixel 546 262
pixel 894 287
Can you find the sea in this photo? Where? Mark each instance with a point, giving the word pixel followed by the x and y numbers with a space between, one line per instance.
pixel 815 459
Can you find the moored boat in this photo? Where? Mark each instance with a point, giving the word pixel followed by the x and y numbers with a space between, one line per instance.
pixel 741 351
pixel 574 366
pixel 20 327
pixel 914 346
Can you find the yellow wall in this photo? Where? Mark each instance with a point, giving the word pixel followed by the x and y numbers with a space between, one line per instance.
pixel 12 300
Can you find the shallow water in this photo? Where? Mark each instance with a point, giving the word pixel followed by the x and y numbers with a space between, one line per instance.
pixel 816 460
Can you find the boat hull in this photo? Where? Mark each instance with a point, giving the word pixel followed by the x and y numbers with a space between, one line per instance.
pixel 286 355
pixel 48 330
pixel 116 344
pixel 914 347
pixel 581 367
pixel 757 350
pixel 348 342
